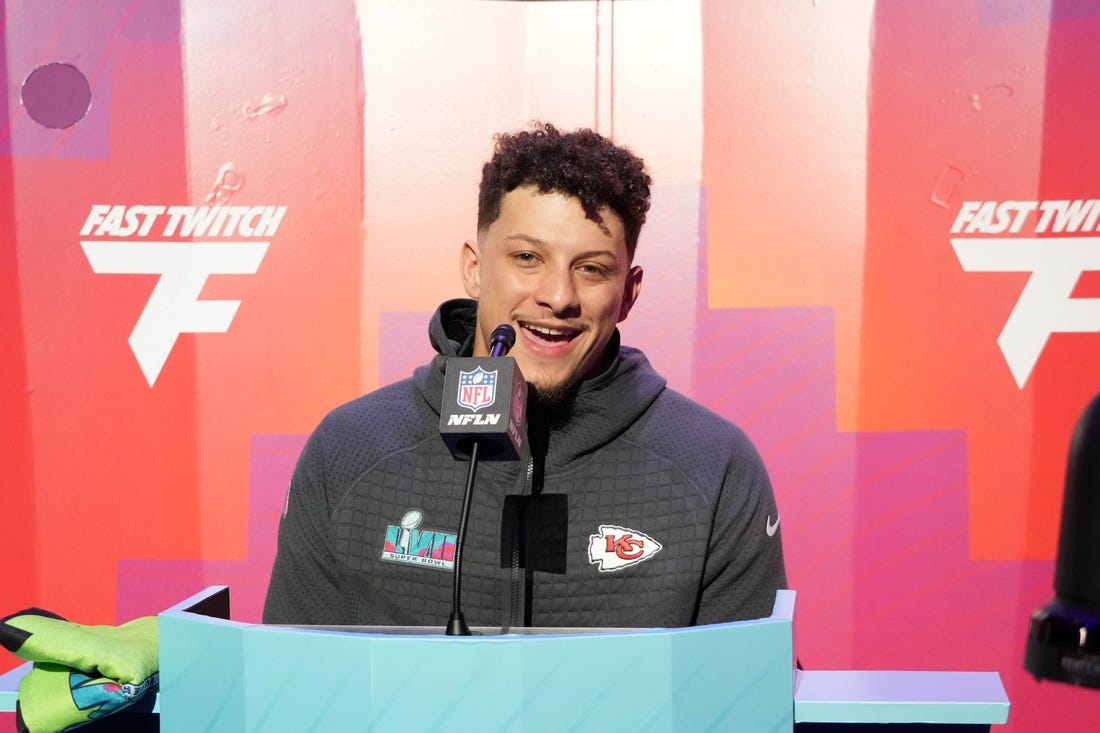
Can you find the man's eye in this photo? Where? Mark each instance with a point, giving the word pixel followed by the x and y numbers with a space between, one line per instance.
pixel 525 256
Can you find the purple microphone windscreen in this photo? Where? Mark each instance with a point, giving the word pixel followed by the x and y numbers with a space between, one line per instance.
pixel 502 340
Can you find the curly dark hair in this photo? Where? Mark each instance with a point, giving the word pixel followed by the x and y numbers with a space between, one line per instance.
pixel 583 164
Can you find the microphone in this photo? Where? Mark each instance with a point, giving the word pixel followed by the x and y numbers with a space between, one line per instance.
pixel 502 340
pixel 495 384
pixel 1063 641
pixel 485 402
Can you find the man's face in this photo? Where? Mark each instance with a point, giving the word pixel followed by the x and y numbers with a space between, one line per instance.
pixel 557 278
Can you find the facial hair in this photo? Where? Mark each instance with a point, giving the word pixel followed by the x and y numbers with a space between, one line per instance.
pixel 553 396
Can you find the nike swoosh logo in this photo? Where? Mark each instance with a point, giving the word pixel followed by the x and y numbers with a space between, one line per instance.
pixel 771 529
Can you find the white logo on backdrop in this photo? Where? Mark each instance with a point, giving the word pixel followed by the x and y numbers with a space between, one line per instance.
pixel 174 306
pixel 1045 305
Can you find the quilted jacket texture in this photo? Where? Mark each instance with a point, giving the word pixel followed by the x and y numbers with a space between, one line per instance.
pixel 632 507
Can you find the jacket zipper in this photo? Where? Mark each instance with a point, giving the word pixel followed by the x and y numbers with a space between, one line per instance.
pixel 517 579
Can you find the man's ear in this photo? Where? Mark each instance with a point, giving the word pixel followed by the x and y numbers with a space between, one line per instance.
pixel 631 291
pixel 469 261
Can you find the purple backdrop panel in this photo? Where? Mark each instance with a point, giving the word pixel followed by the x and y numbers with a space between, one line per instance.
pixel 875 525
pixel 150 585
pixel 662 322
pixel 403 344
pixel 83 35
pixel 156 22
pixel 772 372
pixel 912 552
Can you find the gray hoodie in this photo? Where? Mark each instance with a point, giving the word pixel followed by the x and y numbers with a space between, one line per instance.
pixel 632 507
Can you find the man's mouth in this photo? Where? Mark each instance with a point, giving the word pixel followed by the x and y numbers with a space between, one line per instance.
pixel 549 334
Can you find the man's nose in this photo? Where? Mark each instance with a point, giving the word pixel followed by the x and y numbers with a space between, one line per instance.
pixel 558 292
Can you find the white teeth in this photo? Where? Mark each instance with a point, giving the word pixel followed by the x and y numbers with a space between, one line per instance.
pixel 544 330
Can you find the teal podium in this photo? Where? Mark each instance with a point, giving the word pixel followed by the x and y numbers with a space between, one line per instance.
pixel 221 675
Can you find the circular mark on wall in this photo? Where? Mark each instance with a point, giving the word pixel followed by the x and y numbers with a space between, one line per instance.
pixel 57 95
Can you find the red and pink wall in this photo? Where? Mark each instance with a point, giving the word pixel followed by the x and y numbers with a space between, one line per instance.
pixel 861 215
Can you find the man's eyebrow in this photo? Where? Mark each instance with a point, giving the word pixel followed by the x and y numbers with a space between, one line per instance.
pixel 527 238
pixel 597 253
pixel 542 243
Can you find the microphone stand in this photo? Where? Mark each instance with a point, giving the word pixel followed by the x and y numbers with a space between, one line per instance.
pixel 456 625
pixel 501 341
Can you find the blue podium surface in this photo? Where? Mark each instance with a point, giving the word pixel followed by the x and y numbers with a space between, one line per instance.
pixel 835 696
pixel 221 675
pixel 9 687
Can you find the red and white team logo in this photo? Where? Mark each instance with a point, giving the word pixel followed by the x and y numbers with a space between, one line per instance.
pixel 615 548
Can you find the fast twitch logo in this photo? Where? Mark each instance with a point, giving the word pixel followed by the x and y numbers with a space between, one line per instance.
pixel 183 267
pixel 408 544
pixel 1045 305
pixel 477 389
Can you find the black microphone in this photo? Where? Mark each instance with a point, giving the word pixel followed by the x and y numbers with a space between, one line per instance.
pixel 485 402
pixel 1063 641
pixel 492 383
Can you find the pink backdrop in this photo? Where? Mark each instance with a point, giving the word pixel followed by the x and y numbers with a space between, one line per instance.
pixel 821 169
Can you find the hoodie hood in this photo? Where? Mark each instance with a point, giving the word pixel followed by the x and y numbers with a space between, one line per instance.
pixel 452 328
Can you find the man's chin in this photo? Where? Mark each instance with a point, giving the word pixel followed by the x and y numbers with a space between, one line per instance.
pixel 552 395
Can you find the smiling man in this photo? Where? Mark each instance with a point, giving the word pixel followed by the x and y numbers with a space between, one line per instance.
pixel 632 506
pixel 562 279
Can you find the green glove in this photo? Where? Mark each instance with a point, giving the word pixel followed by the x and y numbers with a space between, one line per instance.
pixel 80 673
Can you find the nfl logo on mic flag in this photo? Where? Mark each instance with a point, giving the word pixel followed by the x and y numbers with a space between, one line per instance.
pixel 476 389
pixel 483 405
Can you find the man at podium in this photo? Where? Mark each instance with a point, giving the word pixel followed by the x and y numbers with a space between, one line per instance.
pixel 629 504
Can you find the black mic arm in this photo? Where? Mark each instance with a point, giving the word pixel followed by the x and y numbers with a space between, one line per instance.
pixel 471 385
pixel 456 624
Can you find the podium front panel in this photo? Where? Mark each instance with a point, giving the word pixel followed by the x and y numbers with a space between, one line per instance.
pixel 222 675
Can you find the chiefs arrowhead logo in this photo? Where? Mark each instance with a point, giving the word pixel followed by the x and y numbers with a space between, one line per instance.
pixel 615 548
